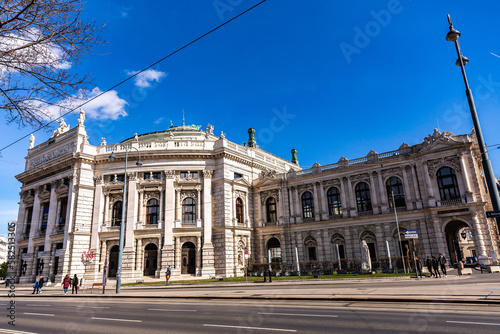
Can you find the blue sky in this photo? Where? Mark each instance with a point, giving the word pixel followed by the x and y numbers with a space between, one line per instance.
pixel 328 78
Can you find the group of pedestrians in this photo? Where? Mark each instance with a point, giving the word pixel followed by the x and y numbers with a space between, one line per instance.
pixel 433 265
pixel 37 287
pixel 67 281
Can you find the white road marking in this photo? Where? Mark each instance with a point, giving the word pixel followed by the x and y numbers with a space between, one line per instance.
pixel 112 319
pixel 44 314
pixel 9 331
pixel 245 327
pixel 301 315
pixel 473 323
pixel 83 306
pixel 163 309
pixel 37 305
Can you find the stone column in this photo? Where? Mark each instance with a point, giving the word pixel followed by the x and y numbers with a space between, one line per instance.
pixel 466 179
pixel 198 207
pixel 291 192
pixel 130 221
pixel 317 208
pixel 375 198
pixel 344 198
pixel 352 200
pixel 440 239
pixel 479 241
pixel 430 191
pixel 416 188
pixel 208 255
pixel 141 215
pixel 97 214
pixel 298 209
pixel 258 209
pixel 138 257
pixel 198 256
pixel 106 210
pixel 51 222
pixel 161 216
pixel 406 186
pixel 324 202
pixel 178 207
pixel 168 212
pixel 382 193
pixel 246 210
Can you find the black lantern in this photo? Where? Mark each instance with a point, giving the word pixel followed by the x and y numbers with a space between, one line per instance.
pixel 463 235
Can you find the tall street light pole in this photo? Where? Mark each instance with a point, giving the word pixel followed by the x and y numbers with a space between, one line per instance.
pixel 453 36
pixel 112 157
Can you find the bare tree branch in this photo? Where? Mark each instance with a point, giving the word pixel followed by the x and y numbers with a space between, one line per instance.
pixel 40 42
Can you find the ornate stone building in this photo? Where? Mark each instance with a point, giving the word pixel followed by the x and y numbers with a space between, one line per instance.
pixel 198 201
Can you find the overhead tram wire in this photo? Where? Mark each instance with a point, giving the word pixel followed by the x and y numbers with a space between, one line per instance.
pixel 139 72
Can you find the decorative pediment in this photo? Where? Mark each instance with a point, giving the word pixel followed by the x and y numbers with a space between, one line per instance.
pixel 242 181
pixel 268 173
pixel 186 194
pixel 240 194
pixel 392 172
pixel 304 187
pixel 438 140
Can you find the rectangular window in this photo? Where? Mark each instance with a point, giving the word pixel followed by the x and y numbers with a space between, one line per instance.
pixel 184 175
pixel 152 175
pixel 237 175
pixel 45 217
pixel 188 174
pixel 312 253
pixel 29 214
pixel 61 222
pixel 120 177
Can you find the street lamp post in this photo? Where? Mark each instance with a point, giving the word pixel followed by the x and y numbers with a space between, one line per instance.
pixel 453 36
pixel 112 157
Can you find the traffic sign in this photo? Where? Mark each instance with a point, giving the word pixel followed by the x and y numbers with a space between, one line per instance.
pixel 246 251
pixel 411 234
pixel 493 214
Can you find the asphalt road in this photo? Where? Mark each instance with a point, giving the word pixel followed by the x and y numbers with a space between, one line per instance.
pixel 108 315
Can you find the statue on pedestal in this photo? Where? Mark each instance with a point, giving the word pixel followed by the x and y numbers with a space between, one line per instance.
pixel 366 264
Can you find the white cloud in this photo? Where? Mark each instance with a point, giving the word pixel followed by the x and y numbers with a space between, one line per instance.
pixel 107 106
pixel 144 79
pixel 158 121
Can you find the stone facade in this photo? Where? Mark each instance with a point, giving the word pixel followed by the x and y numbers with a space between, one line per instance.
pixel 198 201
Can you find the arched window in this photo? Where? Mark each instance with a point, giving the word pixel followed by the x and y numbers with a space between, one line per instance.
pixel 363 198
pixel 116 219
pixel 239 211
pixel 334 204
pixel 307 205
pixel 271 210
pixel 188 211
pixel 152 208
pixel 447 183
pixel 395 192
pixel 310 245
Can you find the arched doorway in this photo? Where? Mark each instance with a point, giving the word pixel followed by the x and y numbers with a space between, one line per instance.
pixel 150 259
pixel 188 259
pixel 274 247
pixel 460 241
pixel 113 261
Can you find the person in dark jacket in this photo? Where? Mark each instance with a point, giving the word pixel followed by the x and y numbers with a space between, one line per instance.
pixel 435 266
pixel 40 285
pixel 442 263
pixel 428 264
pixel 74 285
pixel 418 267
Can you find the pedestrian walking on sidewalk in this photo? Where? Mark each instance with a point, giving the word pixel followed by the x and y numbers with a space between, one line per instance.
pixel 65 283
pixel 418 267
pixel 74 285
pixel 167 275
pixel 428 264
pixel 40 284
pixel 36 285
pixel 435 266
pixel 442 263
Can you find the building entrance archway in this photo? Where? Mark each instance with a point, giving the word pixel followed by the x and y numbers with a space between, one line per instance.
pixel 113 261
pixel 460 241
pixel 188 259
pixel 274 249
pixel 150 260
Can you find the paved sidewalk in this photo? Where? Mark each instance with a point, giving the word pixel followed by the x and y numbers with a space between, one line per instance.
pixel 476 289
